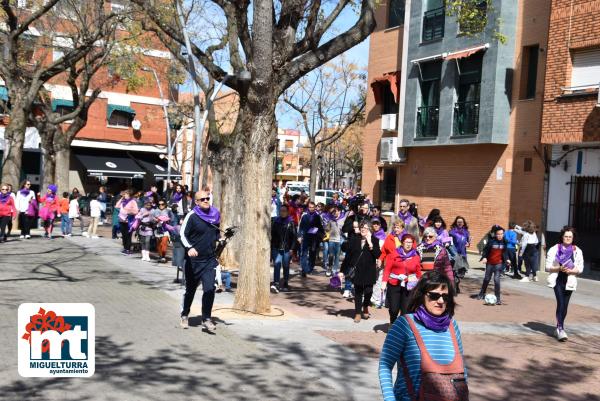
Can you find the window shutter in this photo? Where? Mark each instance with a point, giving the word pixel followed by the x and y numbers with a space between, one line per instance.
pixel 586 68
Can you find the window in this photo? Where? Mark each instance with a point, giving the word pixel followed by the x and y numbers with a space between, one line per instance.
pixel 529 68
pixel 396 13
pixel 389 105
pixel 27 49
pixel 477 24
pixel 586 68
pixel 62 110
pixel 120 119
pixel 434 20
pixel 25 4
pixel 527 164
pixel 466 109
pixel 388 189
pixel 289 144
pixel 428 113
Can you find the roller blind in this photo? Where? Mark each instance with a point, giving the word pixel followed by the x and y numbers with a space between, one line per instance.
pixel 586 68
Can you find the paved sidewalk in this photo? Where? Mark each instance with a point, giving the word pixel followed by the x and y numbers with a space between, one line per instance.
pixel 141 354
pixel 313 351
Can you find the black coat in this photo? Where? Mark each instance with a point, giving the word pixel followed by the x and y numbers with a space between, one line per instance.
pixel 347 228
pixel 283 236
pixel 365 262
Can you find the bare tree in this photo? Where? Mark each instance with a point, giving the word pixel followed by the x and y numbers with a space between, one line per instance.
pixel 328 101
pixel 28 37
pixel 278 42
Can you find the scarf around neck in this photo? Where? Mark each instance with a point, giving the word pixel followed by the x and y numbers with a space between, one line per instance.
pixel 4 197
pixel 124 202
pixel 286 221
pixel 211 216
pixel 460 232
pixel 432 322
pixel 406 255
pixel 379 234
pixel 24 191
pixel 406 217
pixel 177 196
pixel 564 255
pixel 432 245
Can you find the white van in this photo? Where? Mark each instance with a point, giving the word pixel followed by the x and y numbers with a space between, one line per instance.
pixel 296 187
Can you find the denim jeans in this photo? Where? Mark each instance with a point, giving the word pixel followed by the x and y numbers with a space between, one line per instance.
pixel 65 224
pixel 226 279
pixel 325 254
pixel 563 296
pixel 496 270
pixel 531 256
pixel 308 253
pixel 334 251
pixel 281 257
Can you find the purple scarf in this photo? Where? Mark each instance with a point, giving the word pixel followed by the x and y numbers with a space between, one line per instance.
pixel 406 217
pixel 4 197
pixel 406 255
pixel 435 323
pixel 211 216
pixel 399 236
pixel 460 232
pixel 50 197
pixel 286 221
pixel 24 191
pixel 177 196
pixel 379 234
pixel 564 256
pixel 124 202
pixel 432 245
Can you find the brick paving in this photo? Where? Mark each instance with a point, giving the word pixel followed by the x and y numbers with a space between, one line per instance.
pixel 314 350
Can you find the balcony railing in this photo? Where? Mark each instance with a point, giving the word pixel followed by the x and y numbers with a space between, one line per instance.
pixel 433 24
pixel 427 121
pixel 466 118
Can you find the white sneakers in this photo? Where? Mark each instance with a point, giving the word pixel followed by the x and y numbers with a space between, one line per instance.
pixel 85 234
pixel 525 280
pixel 347 294
pixel 95 237
pixel 184 322
pixel 21 236
pixel 561 335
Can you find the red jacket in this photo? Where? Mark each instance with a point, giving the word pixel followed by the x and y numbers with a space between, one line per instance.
pixel 398 266
pixel 389 247
pixel 8 208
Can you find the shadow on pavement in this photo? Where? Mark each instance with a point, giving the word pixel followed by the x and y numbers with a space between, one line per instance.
pixel 535 381
pixel 186 372
pixel 541 327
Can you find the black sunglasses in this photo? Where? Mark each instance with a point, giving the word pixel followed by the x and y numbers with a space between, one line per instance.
pixel 202 200
pixel 434 296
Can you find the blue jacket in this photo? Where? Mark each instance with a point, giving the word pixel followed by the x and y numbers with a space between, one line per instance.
pixel 511 239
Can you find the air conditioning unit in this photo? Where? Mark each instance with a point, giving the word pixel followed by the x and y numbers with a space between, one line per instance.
pixel 388 122
pixel 389 151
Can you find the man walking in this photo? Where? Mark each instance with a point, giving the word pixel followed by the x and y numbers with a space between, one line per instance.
pixel 199 235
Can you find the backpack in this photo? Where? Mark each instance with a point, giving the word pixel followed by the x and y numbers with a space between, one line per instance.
pixel 439 382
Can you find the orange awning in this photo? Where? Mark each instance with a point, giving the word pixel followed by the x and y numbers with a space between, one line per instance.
pixel 393 78
pixel 467 52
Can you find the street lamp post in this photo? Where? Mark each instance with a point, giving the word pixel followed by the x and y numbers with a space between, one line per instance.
pixel 166 113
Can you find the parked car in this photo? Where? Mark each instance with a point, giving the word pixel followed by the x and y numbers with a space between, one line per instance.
pixel 325 196
pixel 296 187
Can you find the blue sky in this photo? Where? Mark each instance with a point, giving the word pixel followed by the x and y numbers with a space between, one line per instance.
pixel 358 55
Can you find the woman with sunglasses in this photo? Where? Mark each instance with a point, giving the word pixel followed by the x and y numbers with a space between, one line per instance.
pixel 163 216
pixel 427 347
pixel 434 255
pixel 7 210
pixel 25 197
pixel 362 253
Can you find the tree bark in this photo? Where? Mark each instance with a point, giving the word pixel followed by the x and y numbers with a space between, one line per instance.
pixel 63 159
pixel 314 168
pixel 257 173
pixel 14 138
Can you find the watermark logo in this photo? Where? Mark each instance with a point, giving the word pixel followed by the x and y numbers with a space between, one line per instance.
pixel 56 340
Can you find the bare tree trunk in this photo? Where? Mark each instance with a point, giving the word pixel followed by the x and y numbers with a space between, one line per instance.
pixel 314 168
pixel 256 171
pixel 14 138
pixel 63 161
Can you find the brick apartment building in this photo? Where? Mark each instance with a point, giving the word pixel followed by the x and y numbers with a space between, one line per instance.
pixel 571 122
pixel 109 150
pixel 453 122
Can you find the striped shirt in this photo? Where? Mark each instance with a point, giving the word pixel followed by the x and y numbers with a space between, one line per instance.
pixel 400 341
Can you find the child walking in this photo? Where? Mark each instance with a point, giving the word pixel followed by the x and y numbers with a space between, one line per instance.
pixel 495 256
